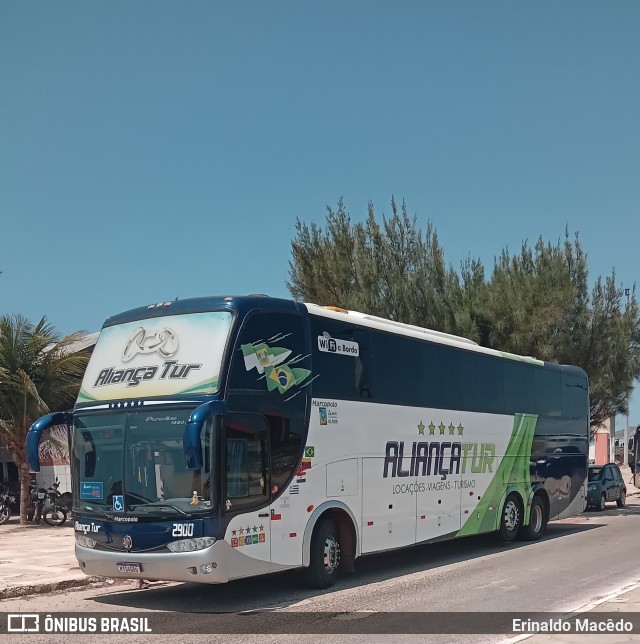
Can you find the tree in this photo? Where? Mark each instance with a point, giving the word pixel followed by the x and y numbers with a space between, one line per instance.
pixel 392 270
pixel 535 302
pixel 39 373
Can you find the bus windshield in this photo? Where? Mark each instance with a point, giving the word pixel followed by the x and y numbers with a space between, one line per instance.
pixel 134 462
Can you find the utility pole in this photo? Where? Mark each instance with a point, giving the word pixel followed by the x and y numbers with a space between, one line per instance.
pixel 625 447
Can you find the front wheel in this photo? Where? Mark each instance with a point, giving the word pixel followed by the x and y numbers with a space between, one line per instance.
pixel 38 515
pixel 54 516
pixel 5 514
pixel 603 502
pixel 622 500
pixel 325 556
pixel 511 519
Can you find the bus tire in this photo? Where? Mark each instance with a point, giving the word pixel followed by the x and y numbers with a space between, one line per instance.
pixel 511 517
pixel 537 521
pixel 325 555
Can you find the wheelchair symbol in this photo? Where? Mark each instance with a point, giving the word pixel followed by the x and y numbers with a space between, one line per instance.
pixel 118 503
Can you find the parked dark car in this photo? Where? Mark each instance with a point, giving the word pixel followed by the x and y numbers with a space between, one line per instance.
pixel 605 485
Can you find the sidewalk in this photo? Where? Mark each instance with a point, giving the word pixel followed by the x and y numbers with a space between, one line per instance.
pixel 39 559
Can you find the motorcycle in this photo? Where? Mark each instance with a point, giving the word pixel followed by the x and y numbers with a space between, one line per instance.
pixel 56 512
pixel 6 499
pixel 37 496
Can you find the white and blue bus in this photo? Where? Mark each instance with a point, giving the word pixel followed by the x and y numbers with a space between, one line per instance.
pixel 224 437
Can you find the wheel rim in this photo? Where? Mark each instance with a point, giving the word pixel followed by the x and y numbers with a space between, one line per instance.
pixel 331 554
pixel 536 518
pixel 623 497
pixel 602 502
pixel 511 515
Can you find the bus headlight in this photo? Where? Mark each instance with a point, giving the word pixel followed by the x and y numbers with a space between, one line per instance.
pixel 85 541
pixel 189 545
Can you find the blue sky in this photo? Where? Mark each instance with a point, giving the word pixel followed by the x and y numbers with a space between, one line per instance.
pixel 152 150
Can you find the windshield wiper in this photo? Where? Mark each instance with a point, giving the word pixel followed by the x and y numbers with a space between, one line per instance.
pixel 160 505
pixel 102 512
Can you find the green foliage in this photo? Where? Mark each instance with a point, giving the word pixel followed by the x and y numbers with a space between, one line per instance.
pixel 390 269
pixel 39 372
pixel 536 302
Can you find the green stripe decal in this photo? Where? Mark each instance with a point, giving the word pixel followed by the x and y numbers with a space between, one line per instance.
pixel 512 473
pixel 207 386
pixel 83 396
pixel 513 356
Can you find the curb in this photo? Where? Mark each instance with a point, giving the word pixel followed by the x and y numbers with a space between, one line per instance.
pixel 65 584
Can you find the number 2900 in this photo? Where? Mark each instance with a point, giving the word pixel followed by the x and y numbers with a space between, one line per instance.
pixel 182 530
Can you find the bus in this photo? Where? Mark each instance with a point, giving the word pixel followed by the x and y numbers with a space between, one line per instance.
pixel 219 438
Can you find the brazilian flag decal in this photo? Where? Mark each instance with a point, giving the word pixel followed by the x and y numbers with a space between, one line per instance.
pixel 284 377
pixel 512 473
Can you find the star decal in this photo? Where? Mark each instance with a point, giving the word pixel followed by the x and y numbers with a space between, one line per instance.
pixel 460 429
pixel 452 429
pixel 248 530
pixel 441 427
pixel 261 528
pixel 255 528
pixel 233 532
pixel 241 530
pixel 432 428
pixel 421 428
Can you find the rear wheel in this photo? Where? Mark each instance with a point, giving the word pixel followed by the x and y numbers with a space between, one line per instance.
pixel 511 519
pixel 603 502
pixel 325 556
pixel 5 514
pixel 537 521
pixel 623 499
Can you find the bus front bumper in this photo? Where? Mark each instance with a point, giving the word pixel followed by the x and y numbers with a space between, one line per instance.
pixel 207 566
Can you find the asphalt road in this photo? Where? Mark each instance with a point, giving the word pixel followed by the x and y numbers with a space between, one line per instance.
pixel 578 560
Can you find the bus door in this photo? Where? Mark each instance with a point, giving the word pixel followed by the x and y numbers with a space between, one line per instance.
pixel 246 490
pixel 269 373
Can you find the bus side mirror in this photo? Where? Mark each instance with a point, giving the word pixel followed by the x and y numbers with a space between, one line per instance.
pixel 34 435
pixel 191 438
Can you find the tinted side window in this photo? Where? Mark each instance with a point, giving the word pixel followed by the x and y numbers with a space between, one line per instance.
pixel 442 377
pixel 575 397
pixel 400 370
pixel 481 382
pixel 246 458
pixel 518 387
pixel 341 360
pixel 547 392
pixel 286 444
pixel 270 355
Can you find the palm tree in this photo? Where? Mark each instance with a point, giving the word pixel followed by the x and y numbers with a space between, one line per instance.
pixel 39 373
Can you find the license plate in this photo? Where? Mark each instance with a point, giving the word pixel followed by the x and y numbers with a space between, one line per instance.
pixel 129 567
pixel 41 495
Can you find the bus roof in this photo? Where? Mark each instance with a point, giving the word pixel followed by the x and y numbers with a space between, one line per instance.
pixel 244 303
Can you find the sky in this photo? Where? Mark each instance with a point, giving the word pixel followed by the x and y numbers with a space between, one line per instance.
pixel 151 150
